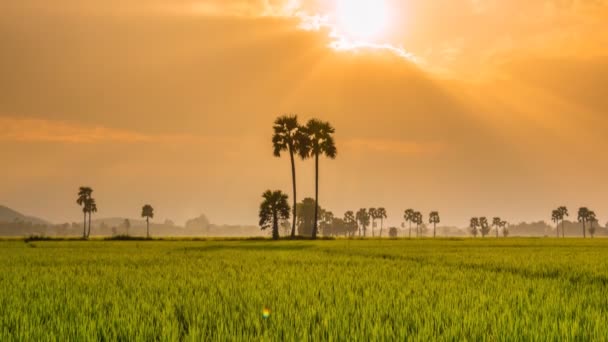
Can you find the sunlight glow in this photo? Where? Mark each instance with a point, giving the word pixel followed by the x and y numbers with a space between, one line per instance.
pixel 362 19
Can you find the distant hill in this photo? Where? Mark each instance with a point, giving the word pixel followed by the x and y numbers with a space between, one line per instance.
pixel 10 215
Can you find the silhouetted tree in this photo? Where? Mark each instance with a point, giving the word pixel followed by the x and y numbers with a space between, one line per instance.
pixel 583 217
pixel 556 216
pixel 306 216
pixel 91 207
pixel 484 225
pixel 408 216
pixel 496 224
pixel 434 219
pixel 351 223
pixel 273 209
pixel 563 214
pixel 363 219
pixel 418 220
pixel 288 137
pixel 474 225
pixel 84 193
pixel 327 221
pixel 381 215
pixel 393 233
pixel 505 230
pixel 592 219
pixel 373 214
pixel 148 212
pixel 317 140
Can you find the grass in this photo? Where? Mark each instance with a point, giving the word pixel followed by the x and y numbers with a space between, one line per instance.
pixel 460 289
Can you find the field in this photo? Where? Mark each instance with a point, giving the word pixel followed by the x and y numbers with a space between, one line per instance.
pixel 507 289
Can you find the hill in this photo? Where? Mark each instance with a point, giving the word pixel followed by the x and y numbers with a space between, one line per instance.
pixel 10 215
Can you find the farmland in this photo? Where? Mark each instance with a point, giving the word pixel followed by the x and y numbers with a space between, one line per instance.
pixel 491 289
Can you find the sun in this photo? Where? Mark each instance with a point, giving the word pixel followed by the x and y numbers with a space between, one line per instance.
pixel 362 19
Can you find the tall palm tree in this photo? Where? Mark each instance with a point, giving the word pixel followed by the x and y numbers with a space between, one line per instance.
pixel 592 219
pixel 351 222
pixel 505 231
pixel 363 219
pixel 288 137
pixel 373 214
pixel 484 225
pixel 496 224
pixel 381 215
pixel 408 216
pixel 474 224
pixel 583 217
pixel 273 209
pixel 84 193
pixel 148 212
pixel 418 220
pixel 434 219
pixel 563 214
pixel 317 140
pixel 556 216
pixel 91 207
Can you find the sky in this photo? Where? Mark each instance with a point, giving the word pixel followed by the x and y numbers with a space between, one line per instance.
pixel 468 107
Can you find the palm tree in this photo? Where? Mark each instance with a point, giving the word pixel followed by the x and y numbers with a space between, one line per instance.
pixel 408 216
pixel 381 215
pixel 496 224
pixel 555 217
pixel 563 214
pixel 592 219
pixel 351 223
pixel 273 209
pixel 148 212
pixel 505 231
pixel 485 227
pixel 418 220
pixel 317 139
pixel 288 137
pixel 373 213
pixel 91 207
pixel 583 217
pixel 363 219
pixel 474 225
pixel 434 219
pixel 84 193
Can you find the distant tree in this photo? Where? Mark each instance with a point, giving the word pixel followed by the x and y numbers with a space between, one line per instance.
pixel 126 224
pixel 563 214
pixel 505 229
pixel 273 209
pixel 84 193
pixel 418 220
pixel 287 137
pixel 434 219
pixel 317 140
pixel 285 226
pixel 474 225
pixel 556 216
pixel 484 225
pixel 373 214
pixel 381 215
pixel 327 223
pixel 408 216
pixel 91 207
pixel 393 233
pixel 592 219
pixel 148 212
pixel 496 224
pixel 363 220
pixel 583 217
pixel 306 216
pixel 351 223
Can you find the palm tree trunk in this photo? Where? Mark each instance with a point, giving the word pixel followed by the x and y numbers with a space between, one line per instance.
pixel 410 229
pixel 275 226
pixel 315 226
pixel 147 227
pixel 584 230
pixel 89 233
pixel 295 201
pixel 563 232
pixel 435 230
pixel 557 229
pixel 84 226
pixel 381 226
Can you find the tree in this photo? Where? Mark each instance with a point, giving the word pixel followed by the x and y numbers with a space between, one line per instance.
pixel 288 137
pixel 327 221
pixel 393 233
pixel 317 140
pixel 363 220
pixel 496 224
pixel 505 230
pixel 408 216
pixel 474 225
pixel 91 207
pixel 306 216
pixel 351 223
pixel 485 226
pixel 563 214
pixel 418 220
pixel 381 215
pixel 84 193
pixel 556 217
pixel 148 212
pixel 373 213
pixel 583 217
pixel 592 219
pixel 127 224
pixel 273 209
pixel 434 219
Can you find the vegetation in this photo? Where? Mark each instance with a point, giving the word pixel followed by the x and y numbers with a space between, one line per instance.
pixel 439 290
pixel 273 209
pixel 147 212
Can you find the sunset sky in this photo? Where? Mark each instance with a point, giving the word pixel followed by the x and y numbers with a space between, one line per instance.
pixel 468 107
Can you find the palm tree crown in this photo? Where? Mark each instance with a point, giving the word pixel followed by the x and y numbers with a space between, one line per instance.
pixel 148 212
pixel 363 218
pixel 583 217
pixel 273 209
pixel 434 219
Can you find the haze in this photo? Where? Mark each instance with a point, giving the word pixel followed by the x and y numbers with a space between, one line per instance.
pixel 469 107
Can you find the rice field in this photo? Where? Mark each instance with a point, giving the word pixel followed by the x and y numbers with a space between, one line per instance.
pixel 498 290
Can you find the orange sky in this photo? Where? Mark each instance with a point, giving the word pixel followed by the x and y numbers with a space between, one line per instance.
pixel 469 107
